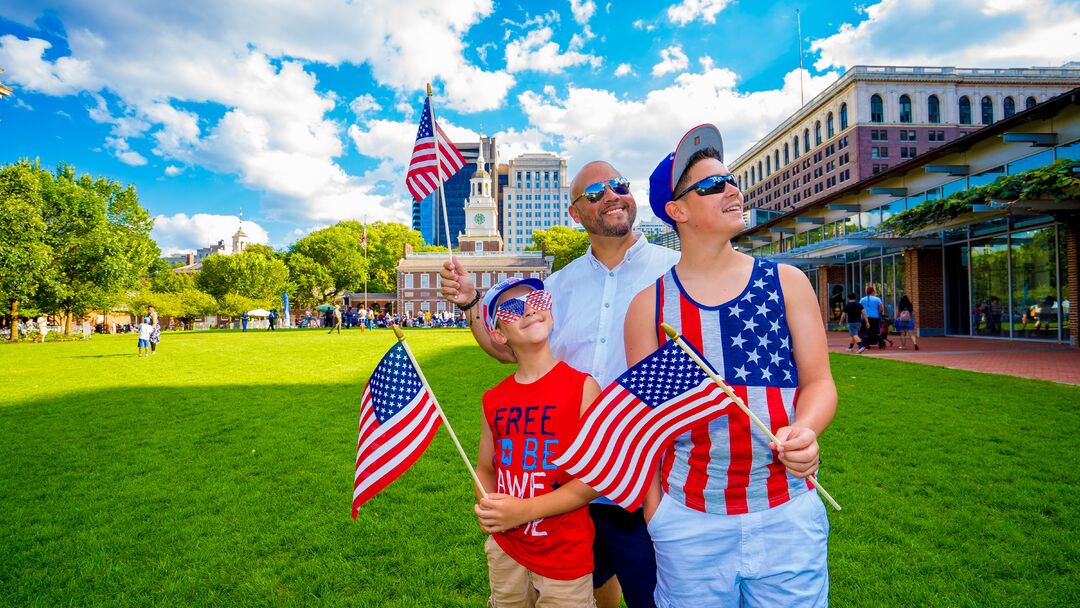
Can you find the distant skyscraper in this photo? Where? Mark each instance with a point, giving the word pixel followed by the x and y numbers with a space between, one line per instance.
pixel 427 217
pixel 536 198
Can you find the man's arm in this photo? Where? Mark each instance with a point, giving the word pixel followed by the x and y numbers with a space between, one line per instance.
pixel 457 287
pixel 501 512
pixel 798 448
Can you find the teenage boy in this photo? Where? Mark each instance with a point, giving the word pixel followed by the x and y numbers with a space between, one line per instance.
pixel 733 521
pixel 145 329
pixel 530 418
pixel 855 316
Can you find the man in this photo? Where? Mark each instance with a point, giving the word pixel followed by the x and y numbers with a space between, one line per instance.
pixel 591 296
pixel 336 319
pixel 874 308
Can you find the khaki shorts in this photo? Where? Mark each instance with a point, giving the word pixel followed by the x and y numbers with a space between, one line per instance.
pixel 515 586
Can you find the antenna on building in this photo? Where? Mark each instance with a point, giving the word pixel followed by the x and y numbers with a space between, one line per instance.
pixel 798 22
pixel 241 227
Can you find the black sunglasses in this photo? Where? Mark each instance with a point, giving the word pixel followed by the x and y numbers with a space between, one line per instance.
pixel 710 185
pixel 594 192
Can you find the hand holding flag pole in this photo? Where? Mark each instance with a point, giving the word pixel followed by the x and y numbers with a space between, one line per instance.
pixel 674 335
pixel 438 408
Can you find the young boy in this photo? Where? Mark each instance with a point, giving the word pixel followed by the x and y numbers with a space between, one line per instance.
pixel 732 520
pixel 530 418
pixel 145 329
pixel 855 317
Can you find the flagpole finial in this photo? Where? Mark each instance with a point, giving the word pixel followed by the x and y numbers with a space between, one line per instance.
pixel 429 89
pixel 397 332
pixel 669 330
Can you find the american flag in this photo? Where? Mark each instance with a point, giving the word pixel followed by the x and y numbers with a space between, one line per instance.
pixel 363 239
pixel 629 424
pixel 422 179
pixel 398 419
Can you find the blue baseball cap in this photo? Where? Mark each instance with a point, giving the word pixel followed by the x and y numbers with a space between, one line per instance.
pixel 671 168
pixel 493 294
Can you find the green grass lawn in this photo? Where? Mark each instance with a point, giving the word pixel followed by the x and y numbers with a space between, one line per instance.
pixel 219 473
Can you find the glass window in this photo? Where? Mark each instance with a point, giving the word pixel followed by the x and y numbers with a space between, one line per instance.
pixel 989 287
pixel 759 173
pixel 933 110
pixel 1010 106
pixel 796 147
pixel 425 281
pixel 1069 150
pixel 954 187
pixel 1036 311
pixel 806 140
pixel 1063 289
pixel 965 111
pixel 787 158
pixel 1031 162
pixel 817 133
pixel 877 109
pixel 843 116
pixel 905 108
pixel 987 110
pixel 829 126
pixel 986 177
pixel 776 159
pixel 1029 103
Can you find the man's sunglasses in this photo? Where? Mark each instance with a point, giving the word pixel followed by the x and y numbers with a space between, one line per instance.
pixel 713 184
pixel 513 309
pixel 594 192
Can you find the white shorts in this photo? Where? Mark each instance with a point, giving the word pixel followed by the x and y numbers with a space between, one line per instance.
pixel 777 557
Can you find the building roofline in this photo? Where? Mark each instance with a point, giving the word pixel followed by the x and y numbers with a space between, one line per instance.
pixel 1040 111
pixel 870 73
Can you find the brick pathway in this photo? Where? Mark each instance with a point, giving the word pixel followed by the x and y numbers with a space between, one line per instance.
pixel 1054 362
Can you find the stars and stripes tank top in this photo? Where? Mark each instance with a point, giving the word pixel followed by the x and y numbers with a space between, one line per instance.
pixel 726 466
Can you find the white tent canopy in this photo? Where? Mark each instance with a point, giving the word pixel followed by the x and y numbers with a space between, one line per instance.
pixel 259 312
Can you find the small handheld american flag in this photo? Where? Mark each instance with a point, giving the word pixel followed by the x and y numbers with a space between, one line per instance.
pixel 629 424
pixel 422 178
pixel 398 419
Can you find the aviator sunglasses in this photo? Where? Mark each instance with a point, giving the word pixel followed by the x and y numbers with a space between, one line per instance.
pixel 514 308
pixel 594 192
pixel 713 184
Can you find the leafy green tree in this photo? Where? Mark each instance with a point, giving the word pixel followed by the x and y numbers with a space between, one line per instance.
pixel 251 275
pixel 25 258
pixel 386 246
pixel 327 263
pixel 565 244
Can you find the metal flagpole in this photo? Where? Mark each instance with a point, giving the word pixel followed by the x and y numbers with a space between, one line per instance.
pixel 439 172
pixel 450 429
pixel 674 335
pixel 798 20
pixel 366 270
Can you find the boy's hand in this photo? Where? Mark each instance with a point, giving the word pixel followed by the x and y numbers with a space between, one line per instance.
pixel 798 450
pixel 502 512
pixel 457 284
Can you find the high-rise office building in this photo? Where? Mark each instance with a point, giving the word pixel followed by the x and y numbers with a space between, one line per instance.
pixel 536 197
pixel 427 217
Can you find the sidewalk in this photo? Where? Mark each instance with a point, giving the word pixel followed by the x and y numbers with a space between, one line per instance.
pixel 1053 362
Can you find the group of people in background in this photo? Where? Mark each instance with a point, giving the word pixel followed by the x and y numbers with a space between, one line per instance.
pixel 149 333
pixel 869 326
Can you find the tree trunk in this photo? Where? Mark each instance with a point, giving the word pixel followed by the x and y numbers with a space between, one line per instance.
pixel 67 323
pixel 14 321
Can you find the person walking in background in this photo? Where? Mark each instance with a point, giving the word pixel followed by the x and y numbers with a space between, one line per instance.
pixel 42 327
pixel 243 321
pixel 272 320
pixel 905 322
pixel 336 319
pixel 145 329
pixel 155 330
pixel 873 308
pixel 855 317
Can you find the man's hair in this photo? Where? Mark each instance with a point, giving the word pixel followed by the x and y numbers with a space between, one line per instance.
pixel 694 159
pixel 851 297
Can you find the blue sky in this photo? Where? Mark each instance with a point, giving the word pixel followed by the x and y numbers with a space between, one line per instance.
pixel 303 113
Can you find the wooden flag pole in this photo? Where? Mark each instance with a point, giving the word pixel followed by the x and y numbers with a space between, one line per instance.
pixel 438 173
pixel 674 335
pixel 450 429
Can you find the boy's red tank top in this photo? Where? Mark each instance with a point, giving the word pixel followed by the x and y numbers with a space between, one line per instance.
pixel 531 425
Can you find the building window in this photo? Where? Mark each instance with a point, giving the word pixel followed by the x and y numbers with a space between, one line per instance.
pixel 879 135
pixel 1030 103
pixel 907 135
pixel 843 116
pixel 965 111
pixel 829 126
pixel 933 110
pixel 760 175
pixel 806 140
pixel 776 159
pixel 877 109
pixel 907 152
pixel 787 158
pixel 425 281
pixel 987 110
pixel 1010 107
pixel 796 146
pixel 408 280
pixel 817 133
pixel 879 152
pixel 935 135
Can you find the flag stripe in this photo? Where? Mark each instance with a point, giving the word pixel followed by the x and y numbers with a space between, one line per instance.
pixel 697 476
pixel 741 448
pixel 777 483
pixel 431 164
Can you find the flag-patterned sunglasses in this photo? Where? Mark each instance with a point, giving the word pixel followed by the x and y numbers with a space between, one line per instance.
pixel 513 309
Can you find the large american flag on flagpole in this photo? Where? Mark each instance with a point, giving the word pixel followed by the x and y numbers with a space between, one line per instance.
pixel 626 429
pixel 422 178
pixel 398 419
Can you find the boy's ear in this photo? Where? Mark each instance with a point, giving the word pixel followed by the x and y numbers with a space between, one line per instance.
pixel 675 211
pixel 498 337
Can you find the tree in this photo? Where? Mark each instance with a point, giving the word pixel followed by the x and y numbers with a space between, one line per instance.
pixel 565 244
pixel 326 263
pixel 24 256
pixel 386 246
pixel 251 276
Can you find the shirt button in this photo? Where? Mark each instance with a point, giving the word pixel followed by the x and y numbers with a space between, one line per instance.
pixel 603 340
pixel 607 305
pixel 611 274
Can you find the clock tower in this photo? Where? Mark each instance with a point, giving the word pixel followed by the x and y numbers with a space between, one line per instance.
pixel 481 213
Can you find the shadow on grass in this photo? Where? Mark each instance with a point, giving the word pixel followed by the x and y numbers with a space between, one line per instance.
pixel 234 495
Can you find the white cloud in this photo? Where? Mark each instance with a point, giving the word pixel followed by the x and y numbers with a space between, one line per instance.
pixel 583 10
pixel 19 103
pixel 513 143
pixel 122 150
pixel 173 170
pixel 639 24
pixel 590 124
pixel 364 105
pixel 537 52
pixel 179 233
pixel 964 33
pixel 672 59
pixel 26 66
pixel 689 10
pixel 624 69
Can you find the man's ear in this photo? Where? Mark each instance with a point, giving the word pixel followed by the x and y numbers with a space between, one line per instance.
pixel 574 214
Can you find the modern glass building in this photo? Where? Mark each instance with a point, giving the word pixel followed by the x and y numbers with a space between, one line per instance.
pixel 1004 270
pixel 427 216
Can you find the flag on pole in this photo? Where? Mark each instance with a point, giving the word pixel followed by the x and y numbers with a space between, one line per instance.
pixel 422 178
pixel 363 239
pixel 398 419
pixel 626 429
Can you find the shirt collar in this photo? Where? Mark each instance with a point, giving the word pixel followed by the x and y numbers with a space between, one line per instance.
pixel 635 249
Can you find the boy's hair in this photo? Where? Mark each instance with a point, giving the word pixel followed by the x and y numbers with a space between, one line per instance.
pixel 694 159
pixel 851 297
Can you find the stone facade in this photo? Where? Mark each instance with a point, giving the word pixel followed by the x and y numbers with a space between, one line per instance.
pixel 419 281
